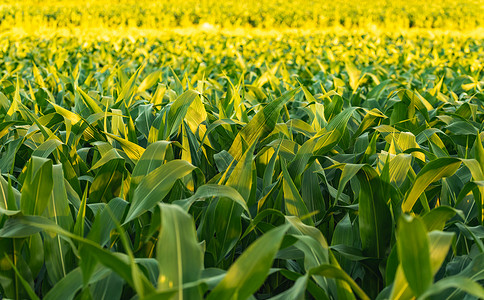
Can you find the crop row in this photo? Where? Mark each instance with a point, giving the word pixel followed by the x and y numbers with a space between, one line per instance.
pixel 445 14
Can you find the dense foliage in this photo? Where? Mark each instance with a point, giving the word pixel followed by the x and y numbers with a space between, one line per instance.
pixel 232 167
pixel 445 14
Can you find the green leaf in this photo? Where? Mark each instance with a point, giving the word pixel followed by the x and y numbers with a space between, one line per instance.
pixel 457 282
pixel 37 186
pixel 24 282
pixel 213 190
pixel 104 223
pixel 296 292
pixel 89 102
pixel 354 75
pixel 129 87
pixel 132 150
pixel 152 158
pixel 179 255
pixel 437 217
pixel 262 123
pixel 108 180
pixel 117 262
pixel 439 244
pixel 375 219
pixel 71 283
pixel 57 210
pixel 331 271
pixel 433 171
pixel 228 214
pixel 413 251
pixel 149 81
pixel 177 113
pixel 156 185
pixel 293 202
pixel 250 270
pixel 8 196
pixel 47 148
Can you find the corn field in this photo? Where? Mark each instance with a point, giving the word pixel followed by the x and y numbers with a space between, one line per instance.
pixel 211 165
pixel 442 14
